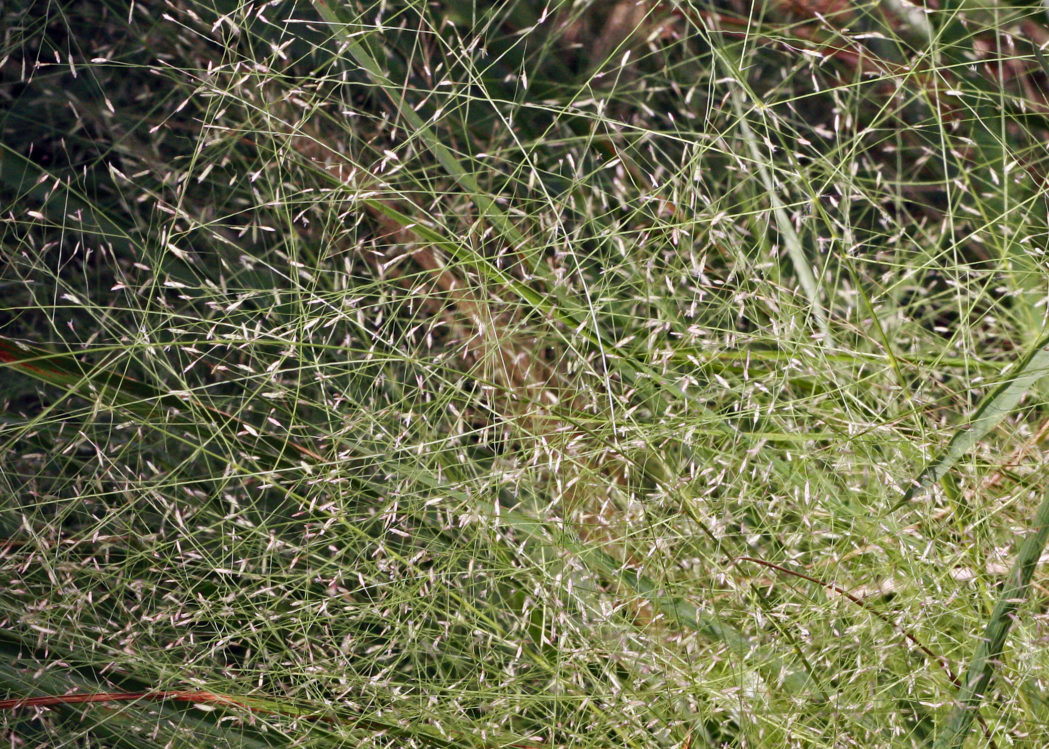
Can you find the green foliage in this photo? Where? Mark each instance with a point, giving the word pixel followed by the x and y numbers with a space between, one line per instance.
pixel 522 374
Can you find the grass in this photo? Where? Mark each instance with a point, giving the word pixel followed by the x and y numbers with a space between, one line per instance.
pixel 521 374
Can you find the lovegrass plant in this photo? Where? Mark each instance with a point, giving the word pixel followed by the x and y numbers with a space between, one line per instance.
pixel 530 373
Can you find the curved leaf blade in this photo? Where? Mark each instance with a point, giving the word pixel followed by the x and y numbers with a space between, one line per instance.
pixel 998 404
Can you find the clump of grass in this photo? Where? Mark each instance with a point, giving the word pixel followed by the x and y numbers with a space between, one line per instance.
pixel 531 375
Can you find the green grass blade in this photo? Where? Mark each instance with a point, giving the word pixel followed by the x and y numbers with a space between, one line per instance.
pixel 989 650
pixel 783 224
pixel 115 390
pixel 444 155
pixel 998 404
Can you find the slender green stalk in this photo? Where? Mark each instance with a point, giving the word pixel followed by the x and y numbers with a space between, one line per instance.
pixel 998 404
pixel 989 650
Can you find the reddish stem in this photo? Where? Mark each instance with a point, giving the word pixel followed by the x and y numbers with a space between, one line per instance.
pixel 196 697
pixel 76 699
